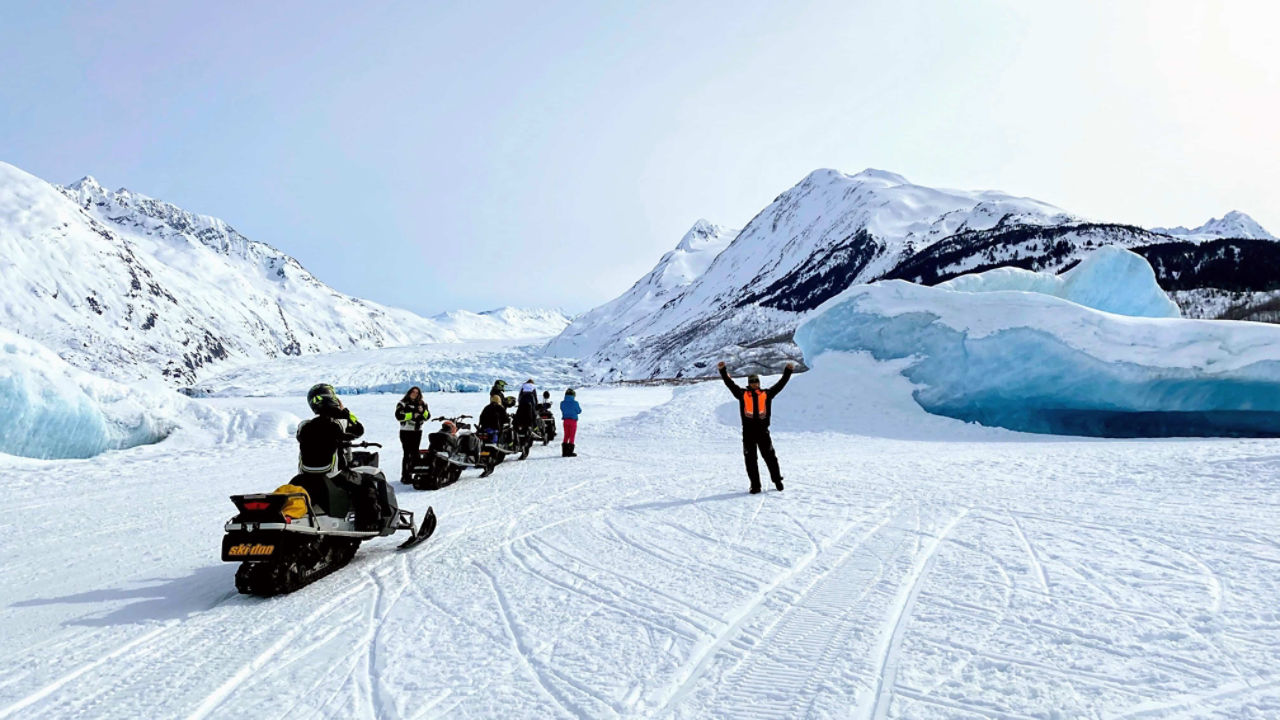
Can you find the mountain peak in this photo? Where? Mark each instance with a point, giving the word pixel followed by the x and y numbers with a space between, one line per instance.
pixel 882 175
pixel 88 182
pixel 1235 224
pixel 702 231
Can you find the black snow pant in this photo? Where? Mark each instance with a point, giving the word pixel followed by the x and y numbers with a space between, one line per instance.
pixel 755 436
pixel 410 442
pixel 363 491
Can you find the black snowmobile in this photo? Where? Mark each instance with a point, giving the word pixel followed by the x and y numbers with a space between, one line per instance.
pixel 546 422
pixel 450 450
pixel 284 541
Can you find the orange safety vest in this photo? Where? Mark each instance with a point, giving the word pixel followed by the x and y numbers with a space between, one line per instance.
pixel 753 406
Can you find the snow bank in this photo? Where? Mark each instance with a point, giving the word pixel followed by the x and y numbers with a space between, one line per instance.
pixel 1039 363
pixel 54 410
pixel 1110 278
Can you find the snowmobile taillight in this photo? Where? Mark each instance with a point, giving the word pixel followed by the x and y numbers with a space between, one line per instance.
pixel 256 506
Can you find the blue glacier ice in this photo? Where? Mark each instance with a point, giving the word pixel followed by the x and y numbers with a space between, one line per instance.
pixel 53 410
pixel 1038 362
pixel 1110 278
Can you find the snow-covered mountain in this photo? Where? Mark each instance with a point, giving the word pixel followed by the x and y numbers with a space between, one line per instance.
pixel 506 323
pixel 1234 224
pixel 609 322
pixel 834 230
pixel 129 286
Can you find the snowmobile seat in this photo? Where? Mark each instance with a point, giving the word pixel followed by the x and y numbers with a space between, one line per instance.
pixel 442 442
pixel 326 496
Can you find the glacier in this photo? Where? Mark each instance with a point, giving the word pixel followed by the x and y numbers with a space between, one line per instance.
pixel 434 367
pixel 1019 354
pixel 1110 278
pixel 54 410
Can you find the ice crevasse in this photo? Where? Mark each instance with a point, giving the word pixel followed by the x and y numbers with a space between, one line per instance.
pixel 1099 350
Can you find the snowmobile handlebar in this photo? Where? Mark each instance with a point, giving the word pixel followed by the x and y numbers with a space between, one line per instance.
pixel 362 444
pixel 453 419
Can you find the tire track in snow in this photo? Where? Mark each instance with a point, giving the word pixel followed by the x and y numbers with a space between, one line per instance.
pixel 887 676
pixel 223 691
pixel 53 687
pixel 1031 553
pixel 523 651
pixel 699 664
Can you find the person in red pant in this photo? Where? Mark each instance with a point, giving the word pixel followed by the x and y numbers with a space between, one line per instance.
pixel 755 406
pixel 569 410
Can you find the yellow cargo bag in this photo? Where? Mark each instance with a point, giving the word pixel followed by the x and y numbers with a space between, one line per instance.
pixel 294 507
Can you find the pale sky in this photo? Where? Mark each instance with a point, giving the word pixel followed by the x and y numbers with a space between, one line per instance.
pixel 444 155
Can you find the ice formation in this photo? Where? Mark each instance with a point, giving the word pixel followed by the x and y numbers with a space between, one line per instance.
pixel 1036 362
pixel 54 410
pixel 1110 278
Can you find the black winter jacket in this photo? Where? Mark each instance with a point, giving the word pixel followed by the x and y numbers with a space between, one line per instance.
pixel 417 412
pixel 755 408
pixel 493 417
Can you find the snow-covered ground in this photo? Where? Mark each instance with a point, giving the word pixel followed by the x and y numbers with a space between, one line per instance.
pixel 914 567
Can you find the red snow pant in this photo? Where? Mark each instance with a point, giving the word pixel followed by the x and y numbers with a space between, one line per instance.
pixel 570 430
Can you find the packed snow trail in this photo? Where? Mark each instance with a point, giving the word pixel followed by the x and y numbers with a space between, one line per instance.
pixel 923 571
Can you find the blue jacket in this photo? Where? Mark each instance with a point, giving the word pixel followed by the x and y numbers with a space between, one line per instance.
pixel 569 408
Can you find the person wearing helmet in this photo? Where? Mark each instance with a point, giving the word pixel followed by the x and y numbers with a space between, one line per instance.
pixel 321 446
pixel 499 388
pixel 570 410
pixel 755 405
pixel 493 418
pixel 412 412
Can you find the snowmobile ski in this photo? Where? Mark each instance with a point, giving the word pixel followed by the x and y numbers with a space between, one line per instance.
pixel 425 531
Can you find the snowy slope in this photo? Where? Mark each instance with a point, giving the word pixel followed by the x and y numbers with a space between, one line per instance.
pixel 974 573
pixel 811 242
pixel 128 286
pixel 507 323
pixel 834 230
pixel 609 323
pixel 1234 224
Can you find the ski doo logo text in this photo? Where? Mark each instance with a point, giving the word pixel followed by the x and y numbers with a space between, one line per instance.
pixel 247 549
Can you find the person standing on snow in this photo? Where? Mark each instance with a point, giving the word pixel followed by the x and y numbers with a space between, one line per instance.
pixel 755 407
pixel 412 412
pixel 570 410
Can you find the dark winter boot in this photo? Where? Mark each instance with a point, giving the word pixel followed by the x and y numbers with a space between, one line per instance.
pixel 564 449
pixel 777 482
pixel 755 489
pixel 571 452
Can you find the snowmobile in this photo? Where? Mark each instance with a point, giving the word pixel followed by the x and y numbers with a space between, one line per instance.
pixel 546 422
pixel 448 453
pixel 510 440
pixel 286 540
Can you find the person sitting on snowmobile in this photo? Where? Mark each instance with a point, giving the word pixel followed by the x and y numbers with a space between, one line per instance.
pixel 499 388
pixel 321 451
pixel 526 410
pixel 493 418
pixel 412 412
